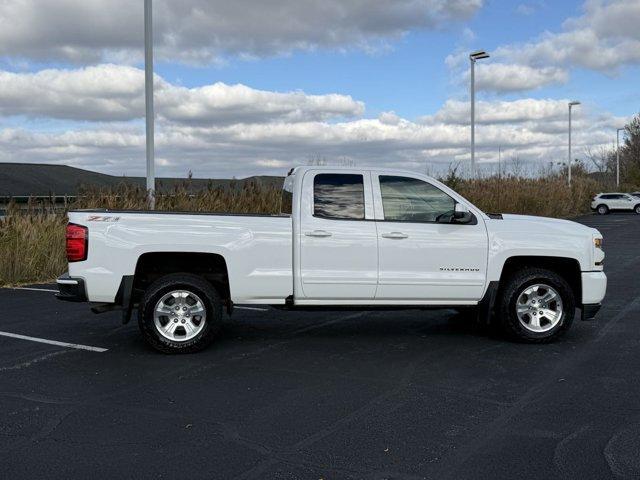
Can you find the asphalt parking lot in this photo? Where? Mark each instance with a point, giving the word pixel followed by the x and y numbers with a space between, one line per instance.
pixel 334 395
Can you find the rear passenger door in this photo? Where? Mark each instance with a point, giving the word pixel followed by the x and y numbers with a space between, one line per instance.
pixel 338 240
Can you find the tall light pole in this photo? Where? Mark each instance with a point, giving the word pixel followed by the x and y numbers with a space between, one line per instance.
pixel 148 90
pixel 571 104
pixel 618 155
pixel 473 58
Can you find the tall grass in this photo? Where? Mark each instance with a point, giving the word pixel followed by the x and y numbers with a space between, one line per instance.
pixel 547 197
pixel 31 246
pixel 250 197
pixel 32 239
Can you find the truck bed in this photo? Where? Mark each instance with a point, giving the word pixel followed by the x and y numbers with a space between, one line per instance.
pixel 257 249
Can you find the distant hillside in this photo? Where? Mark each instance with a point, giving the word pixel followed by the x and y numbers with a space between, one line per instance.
pixel 33 179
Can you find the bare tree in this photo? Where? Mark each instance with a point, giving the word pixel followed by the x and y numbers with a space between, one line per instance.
pixel 546 170
pixel 600 157
pixel 516 165
pixel 347 162
pixel 317 161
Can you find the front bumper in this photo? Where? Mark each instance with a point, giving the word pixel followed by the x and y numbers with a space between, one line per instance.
pixel 594 287
pixel 71 289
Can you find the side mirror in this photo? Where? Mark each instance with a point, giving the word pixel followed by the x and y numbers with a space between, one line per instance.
pixel 462 214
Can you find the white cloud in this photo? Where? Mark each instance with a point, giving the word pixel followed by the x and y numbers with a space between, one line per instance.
pixel 116 93
pixel 605 38
pixel 108 92
pixel 208 30
pixel 534 130
pixel 389 118
pixel 239 103
pixel 500 112
pixel 503 78
pixel 500 75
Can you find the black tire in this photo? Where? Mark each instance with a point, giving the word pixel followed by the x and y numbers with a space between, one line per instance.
pixel 602 209
pixel 637 209
pixel 191 283
pixel 512 289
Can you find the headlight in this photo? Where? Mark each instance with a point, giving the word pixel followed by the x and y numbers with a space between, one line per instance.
pixel 598 252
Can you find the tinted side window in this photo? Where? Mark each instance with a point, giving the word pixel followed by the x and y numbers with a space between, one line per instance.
pixel 410 200
pixel 608 197
pixel 339 196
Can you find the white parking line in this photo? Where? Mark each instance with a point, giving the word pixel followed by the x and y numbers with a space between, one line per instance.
pixel 253 308
pixel 35 289
pixel 54 342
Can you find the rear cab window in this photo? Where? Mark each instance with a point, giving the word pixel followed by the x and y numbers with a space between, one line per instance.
pixel 339 196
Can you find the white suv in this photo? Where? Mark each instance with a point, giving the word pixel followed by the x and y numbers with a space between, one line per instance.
pixel 604 203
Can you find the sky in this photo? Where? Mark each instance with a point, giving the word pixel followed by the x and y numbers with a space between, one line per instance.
pixel 255 87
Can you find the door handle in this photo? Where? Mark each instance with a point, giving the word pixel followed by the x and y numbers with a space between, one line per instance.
pixel 318 233
pixel 395 235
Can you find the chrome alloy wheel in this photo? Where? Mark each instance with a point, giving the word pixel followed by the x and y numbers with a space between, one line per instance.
pixel 539 308
pixel 179 315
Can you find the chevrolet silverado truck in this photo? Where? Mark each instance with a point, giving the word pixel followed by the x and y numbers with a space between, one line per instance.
pixel 345 238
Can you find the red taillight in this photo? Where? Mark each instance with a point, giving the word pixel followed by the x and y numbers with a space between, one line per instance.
pixel 77 242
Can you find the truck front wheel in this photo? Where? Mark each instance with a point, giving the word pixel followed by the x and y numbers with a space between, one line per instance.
pixel 180 313
pixel 536 306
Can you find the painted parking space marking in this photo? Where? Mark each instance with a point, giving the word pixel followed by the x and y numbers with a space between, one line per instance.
pixel 77 346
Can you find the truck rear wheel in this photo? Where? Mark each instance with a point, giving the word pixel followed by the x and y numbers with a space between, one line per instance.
pixel 536 306
pixel 180 313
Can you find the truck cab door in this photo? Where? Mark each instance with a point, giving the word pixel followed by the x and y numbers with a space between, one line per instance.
pixel 424 255
pixel 338 244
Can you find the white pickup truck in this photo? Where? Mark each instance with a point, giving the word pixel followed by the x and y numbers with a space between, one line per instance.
pixel 363 238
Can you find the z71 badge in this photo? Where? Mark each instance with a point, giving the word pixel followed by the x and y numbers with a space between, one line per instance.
pixel 101 218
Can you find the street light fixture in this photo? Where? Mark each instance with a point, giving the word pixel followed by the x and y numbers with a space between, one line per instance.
pixel 149 115
pixel 473 58
pixel 571 104
pixel 618 155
